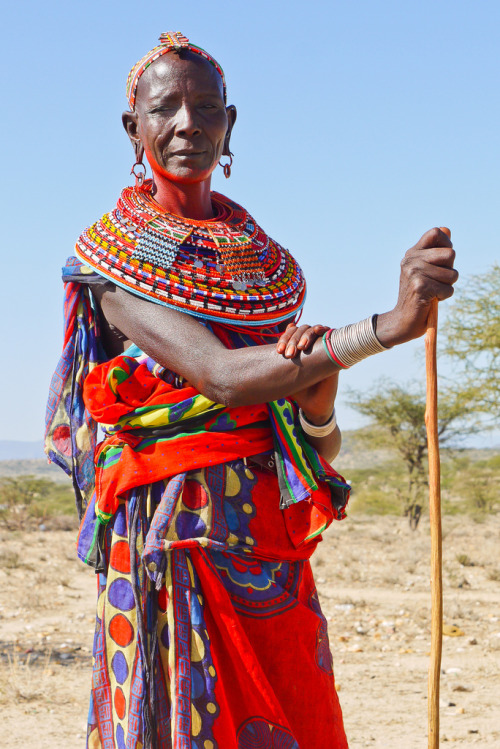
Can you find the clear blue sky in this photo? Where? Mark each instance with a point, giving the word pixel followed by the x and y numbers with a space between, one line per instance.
pixel 360 125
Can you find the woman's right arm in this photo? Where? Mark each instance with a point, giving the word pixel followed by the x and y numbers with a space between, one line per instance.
pixel 260 373
pixel 233 377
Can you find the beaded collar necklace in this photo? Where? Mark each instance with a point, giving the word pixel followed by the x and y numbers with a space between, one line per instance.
pixel 224 268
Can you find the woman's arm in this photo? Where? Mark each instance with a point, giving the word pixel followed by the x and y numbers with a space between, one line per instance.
pixel 260 374
pixel 233 377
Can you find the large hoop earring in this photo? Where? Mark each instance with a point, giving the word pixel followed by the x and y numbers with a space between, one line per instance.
pixel 227 167
pixel 139 177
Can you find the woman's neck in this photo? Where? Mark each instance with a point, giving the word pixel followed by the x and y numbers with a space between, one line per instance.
pixel 186 200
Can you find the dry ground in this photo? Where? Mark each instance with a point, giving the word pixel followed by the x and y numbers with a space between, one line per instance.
pixel 372 577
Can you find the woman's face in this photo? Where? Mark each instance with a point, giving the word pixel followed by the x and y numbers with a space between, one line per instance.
pixel 180 117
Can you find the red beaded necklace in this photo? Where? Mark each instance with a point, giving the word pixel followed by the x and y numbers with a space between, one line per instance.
pixel 221 268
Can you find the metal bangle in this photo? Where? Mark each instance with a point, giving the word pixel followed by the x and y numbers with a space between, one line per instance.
pixel 354 343
pixel 313 430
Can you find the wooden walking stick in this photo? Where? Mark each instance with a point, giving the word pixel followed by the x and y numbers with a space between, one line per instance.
pixel 431 423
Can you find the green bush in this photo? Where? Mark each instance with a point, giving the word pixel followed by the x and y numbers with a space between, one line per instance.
pixel 27 502
pixel 469 485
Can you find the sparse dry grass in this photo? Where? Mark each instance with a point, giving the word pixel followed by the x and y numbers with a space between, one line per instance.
pixel 10 560
pixel 465 560
pixel 25 681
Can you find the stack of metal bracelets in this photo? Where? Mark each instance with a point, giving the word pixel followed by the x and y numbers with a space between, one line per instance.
pixel 350 345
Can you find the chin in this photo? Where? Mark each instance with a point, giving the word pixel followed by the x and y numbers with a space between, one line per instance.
pixel 184 176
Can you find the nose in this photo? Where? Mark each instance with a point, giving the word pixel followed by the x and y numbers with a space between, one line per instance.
pixel 187 123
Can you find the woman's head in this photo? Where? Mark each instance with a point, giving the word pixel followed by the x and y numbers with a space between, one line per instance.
pixel 178 116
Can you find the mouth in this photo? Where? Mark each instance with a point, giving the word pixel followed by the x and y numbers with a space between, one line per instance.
pixel 186 152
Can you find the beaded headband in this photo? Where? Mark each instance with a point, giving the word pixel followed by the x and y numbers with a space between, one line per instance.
pixel 170 41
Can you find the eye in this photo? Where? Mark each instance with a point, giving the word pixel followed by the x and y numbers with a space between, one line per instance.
pixel 210 105
pixel 163 106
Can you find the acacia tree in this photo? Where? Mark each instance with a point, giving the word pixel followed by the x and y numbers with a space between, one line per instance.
pixel 472 339
pixel 396 416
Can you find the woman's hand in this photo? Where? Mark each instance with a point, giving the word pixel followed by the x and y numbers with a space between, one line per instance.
pixel 427 273
pixel 296 339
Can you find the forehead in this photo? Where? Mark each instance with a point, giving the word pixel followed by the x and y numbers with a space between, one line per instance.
pixel 173 72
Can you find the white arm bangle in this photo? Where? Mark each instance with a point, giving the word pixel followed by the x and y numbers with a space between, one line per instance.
pixel 317 431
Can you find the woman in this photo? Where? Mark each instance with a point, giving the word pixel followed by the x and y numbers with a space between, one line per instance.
pixel 211 486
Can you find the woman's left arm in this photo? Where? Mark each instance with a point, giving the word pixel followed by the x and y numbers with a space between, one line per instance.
pixel 317 402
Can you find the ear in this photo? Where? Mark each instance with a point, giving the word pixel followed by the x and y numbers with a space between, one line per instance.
pixel 231 119
pixel 130 122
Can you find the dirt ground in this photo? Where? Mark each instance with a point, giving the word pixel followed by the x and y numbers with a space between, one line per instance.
pixel 373 579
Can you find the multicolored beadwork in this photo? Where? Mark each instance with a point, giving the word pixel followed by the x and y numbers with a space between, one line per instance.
pixel 155 248
pixel 170 41
pixel 226 268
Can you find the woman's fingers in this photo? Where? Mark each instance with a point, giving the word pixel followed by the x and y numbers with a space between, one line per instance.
pixel 309 336
pixel 422 270
pixel 434 238
pixel 443 256
pixel 298 338
pixel 285 337
pixel 429 271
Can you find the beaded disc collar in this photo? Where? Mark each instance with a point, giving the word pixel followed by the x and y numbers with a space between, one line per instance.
pixel 225 268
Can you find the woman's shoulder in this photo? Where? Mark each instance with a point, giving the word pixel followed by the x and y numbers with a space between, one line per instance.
pixel 76 271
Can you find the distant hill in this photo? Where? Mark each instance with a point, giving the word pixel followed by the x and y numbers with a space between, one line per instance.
pixel 19 458
pixel 13 450
pixel 39 468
